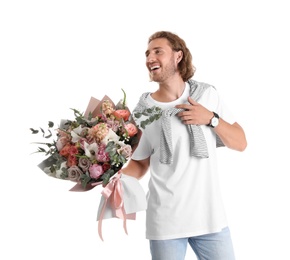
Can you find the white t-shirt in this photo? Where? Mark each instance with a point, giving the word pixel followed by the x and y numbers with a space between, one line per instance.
pixel 184 198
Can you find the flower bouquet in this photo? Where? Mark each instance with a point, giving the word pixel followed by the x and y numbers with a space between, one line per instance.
pixel 91 150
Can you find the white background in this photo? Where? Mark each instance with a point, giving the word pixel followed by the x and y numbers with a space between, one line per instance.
pixel 55 55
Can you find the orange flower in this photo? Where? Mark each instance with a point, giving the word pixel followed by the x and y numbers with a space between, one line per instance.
pixel 65 151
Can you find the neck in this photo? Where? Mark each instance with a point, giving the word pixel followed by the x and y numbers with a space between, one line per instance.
pixel 168 92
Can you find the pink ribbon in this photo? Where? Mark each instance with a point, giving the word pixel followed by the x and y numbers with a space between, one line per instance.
pixel 114 192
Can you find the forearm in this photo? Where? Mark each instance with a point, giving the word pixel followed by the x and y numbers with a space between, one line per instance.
pixel 136 168
pixel 232 136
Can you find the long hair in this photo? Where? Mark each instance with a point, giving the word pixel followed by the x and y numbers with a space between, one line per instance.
pixel 185 66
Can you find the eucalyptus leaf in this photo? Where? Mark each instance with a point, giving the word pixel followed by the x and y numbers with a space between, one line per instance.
pixel 152 114
pixel 34 131
pixel 138 115
pixel 69 148
pixel 106 177
pixel 85 179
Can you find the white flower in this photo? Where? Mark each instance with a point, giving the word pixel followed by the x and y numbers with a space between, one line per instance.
pixel 121 143
pixel 91 150
pixel 75 133
pixel 111 136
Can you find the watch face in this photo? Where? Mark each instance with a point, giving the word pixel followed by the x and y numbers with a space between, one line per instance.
pixel 214 122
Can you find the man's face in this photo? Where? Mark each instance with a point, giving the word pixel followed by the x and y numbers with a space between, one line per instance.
pixel 161 60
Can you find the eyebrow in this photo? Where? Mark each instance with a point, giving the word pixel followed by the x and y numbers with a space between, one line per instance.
pixel 156 48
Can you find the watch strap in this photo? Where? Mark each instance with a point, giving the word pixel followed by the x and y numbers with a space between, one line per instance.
pixel 214 115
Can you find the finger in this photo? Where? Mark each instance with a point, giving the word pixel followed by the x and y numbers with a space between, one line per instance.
pixel 184 106
pixel 192 102
pixel 183 114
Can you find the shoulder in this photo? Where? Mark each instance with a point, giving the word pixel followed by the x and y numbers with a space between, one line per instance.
pixel 196 83
pixel 145 112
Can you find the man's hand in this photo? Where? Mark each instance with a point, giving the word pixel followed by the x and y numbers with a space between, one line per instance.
pixel 194 113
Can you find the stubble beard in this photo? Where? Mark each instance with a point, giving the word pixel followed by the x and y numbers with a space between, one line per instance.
pixel 168 71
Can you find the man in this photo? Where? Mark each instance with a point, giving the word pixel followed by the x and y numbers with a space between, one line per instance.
pixel 179 151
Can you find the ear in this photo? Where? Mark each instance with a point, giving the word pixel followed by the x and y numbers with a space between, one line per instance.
pixel 179 56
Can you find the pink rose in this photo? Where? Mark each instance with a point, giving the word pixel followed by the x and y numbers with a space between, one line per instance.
pixel 96 171
pixel 131 129
pixel 102 155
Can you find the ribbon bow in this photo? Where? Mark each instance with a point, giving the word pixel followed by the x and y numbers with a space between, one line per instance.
pixel 113 193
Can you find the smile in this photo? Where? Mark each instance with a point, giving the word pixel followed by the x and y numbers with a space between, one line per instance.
pixel 154 68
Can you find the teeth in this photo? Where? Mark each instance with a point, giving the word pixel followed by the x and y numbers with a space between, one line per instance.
pixel 155 67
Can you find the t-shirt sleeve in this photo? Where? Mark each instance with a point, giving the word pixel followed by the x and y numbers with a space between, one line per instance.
pixel 143 149
pixel 213 101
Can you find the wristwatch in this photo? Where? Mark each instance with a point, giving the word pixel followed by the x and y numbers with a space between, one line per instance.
pixel 214 121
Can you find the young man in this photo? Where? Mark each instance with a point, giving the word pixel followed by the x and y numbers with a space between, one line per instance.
pixel 179 151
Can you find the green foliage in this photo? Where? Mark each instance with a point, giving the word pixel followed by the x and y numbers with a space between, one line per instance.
pixel 106 177
pixel 80 119
pixel 116 158
pixel 152 114
pixel 124 99
pixel 78 145
pixel 51 147
pixel 64 173
pixel 85 179
pixel 44 134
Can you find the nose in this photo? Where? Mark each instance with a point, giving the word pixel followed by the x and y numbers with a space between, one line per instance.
pixel 150 58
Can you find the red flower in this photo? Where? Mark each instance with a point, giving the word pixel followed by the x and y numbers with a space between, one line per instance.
pixel 72 160
pixel 106 166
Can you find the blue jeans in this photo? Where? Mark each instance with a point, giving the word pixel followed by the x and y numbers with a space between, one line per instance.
pixel 214 246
